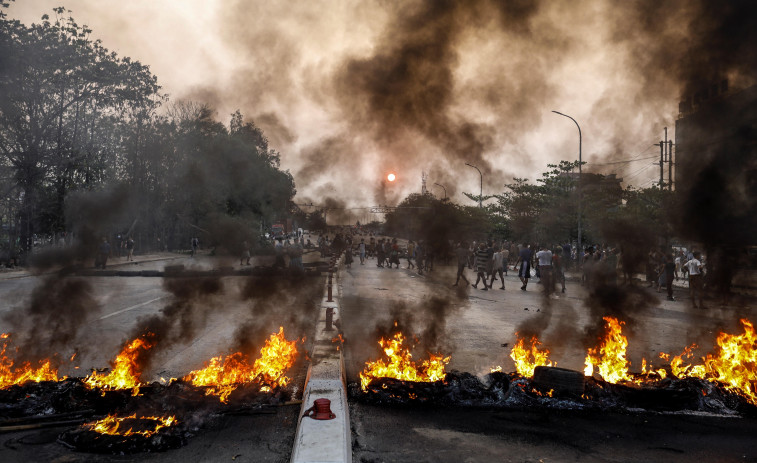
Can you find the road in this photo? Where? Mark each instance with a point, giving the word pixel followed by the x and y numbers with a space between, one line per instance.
pixel 472 329
pixel 475 328
pixel 207 325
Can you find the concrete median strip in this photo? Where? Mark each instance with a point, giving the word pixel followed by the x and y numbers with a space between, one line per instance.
pixel 325 440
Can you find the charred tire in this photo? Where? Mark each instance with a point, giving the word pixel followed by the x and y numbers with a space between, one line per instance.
pixel 560 380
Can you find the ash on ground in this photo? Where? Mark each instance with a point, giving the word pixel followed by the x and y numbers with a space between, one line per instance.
pixel 71 399
pixel 512 391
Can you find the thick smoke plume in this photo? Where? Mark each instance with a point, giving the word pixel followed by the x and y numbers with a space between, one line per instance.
pixel 58 310
pixel 425 85
pixel 195 299
pixel 273 302
pixel 60 306
pixel 269 302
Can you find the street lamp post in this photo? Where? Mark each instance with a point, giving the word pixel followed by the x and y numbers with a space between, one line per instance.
pixel 578 251
pixel 481 191
pixel 445 190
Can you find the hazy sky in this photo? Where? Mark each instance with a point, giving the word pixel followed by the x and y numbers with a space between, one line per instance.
pixel 347 90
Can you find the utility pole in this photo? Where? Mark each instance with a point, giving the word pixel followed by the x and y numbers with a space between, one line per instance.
pixel 670 165
pixel 662 162
pixel 666 155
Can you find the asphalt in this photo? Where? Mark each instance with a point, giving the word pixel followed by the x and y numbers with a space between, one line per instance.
pixel 332 368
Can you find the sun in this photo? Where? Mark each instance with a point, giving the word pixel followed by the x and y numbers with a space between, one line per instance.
pixel 391 177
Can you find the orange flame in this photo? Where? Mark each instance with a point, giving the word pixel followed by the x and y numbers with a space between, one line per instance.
pixel 401 365
pixel 733 363
pixel 124 426
pixel 223 375
pixel 528 358
pixel 125 373
pixel 610 357
pixel 11 374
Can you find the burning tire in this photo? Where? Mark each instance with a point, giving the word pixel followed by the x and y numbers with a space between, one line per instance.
pixel 561 380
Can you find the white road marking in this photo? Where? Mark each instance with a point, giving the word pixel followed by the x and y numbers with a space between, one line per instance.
pixel 132 307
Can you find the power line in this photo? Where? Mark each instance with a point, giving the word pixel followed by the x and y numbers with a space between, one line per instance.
pixel 639 171
pixel 626 161
pixel 632 159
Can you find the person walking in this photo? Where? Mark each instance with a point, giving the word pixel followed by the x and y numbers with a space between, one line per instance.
pixel 558 266
pixel 195 244
pixel 544 257
pixel 462 253
pixel 498 260
pixel 670 273
pixel 103 253
pixel 129 249
pixel 696 283
pixel 410 252
pixel 361 251
pixel 380 253
pixel 481 263
pixel 394 254
pixel 524 265
pixel 420 255
pixel 348 256
pixel 245 253
pixel 505 252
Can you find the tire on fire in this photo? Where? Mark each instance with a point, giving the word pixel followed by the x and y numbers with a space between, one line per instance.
pixel 561 380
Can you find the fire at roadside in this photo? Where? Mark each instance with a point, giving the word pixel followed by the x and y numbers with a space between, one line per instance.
pixel 722 384
pixel 117 413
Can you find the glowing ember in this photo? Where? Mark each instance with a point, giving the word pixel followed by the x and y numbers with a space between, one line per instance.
pixel 125 426
pixel 528 358
pixel 223 375
pixel 125 373
pixel 734 363
pixel 401 366
pixel 11 374
pixel 610 357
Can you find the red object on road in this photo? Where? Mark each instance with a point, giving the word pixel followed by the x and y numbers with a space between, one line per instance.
pixel 321 410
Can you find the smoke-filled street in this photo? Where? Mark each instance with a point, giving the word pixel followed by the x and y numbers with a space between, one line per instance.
pixel 371 231
pixel 478 330
pixel 216 316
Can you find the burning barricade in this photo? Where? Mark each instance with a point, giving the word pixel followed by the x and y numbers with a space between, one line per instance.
pixel 123 414
pixel 724 383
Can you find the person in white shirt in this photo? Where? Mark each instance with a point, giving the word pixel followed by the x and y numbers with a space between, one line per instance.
pixel 497 263
pixel 544 256
pixel 696 282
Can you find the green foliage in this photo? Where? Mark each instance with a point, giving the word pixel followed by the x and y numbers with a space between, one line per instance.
pixel 543 212
pixel 75 117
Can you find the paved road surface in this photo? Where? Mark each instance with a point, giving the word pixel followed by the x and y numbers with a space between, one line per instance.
pixel 474 329
pixel 120 303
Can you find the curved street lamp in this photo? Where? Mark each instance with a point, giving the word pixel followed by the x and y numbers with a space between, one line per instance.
pixel 445 190
pixel 578 253
pixel 481 191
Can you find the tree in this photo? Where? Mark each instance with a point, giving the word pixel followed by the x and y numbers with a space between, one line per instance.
pixel 543 212
pixel 58 87
pixel 438 223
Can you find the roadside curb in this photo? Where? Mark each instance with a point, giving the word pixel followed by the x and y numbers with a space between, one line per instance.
pixel 94 272
pixel 325 440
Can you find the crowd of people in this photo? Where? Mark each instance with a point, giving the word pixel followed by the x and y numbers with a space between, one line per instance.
pixel 490 261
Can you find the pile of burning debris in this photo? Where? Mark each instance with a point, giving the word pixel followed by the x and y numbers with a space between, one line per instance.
pixel 725 382
pixel 118 413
